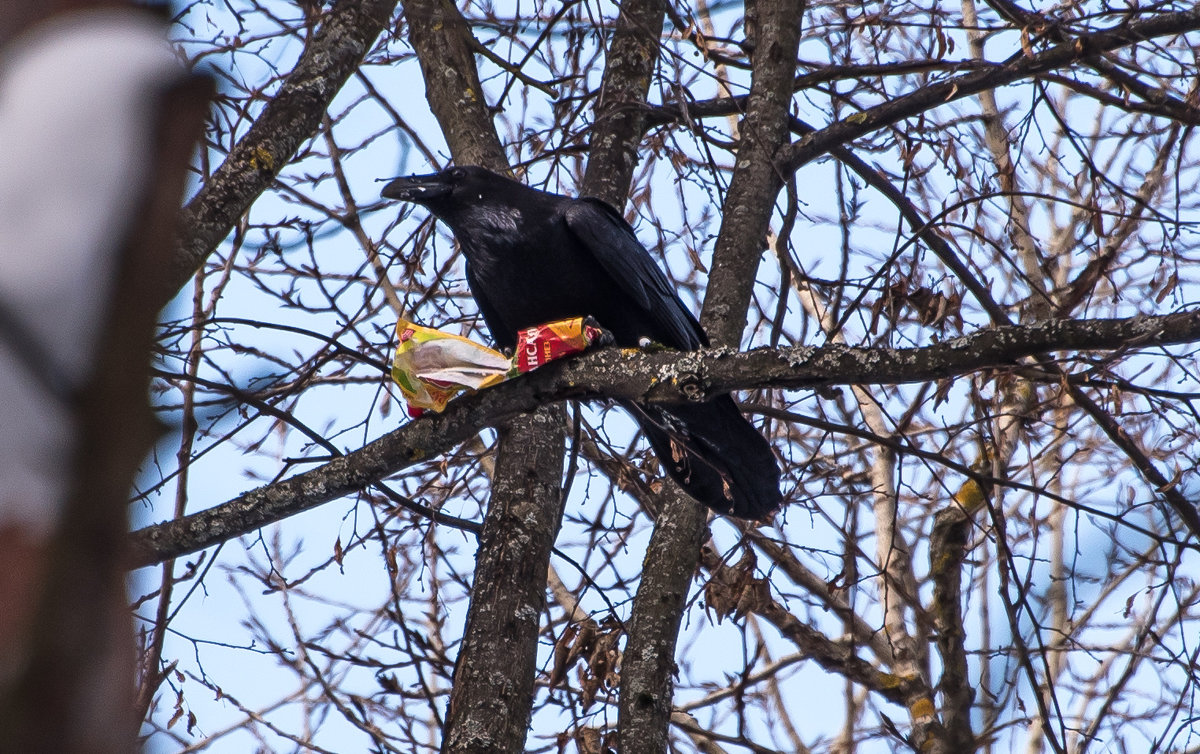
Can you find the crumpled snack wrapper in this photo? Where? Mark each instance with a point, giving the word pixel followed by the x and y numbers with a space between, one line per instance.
pixel 431 367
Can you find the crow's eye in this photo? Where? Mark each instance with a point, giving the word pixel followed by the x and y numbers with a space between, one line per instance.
pixel 458 174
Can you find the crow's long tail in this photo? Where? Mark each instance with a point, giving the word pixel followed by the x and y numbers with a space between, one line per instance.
pixel 715 455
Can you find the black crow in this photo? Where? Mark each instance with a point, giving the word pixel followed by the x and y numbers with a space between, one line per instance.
pixel 535 257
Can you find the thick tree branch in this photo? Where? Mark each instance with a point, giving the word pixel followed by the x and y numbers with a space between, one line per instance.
pixel 644 707
pixel 290 118
pixel 444 44
pixel 648 663
pixel 621 112
pixel 756 181
pixel 644 703
pixel 662 377
pixel 947 551
pixel 493 690
pixel 630 60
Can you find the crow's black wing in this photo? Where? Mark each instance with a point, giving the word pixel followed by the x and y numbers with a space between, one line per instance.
pixel 503 336
pixel 606 235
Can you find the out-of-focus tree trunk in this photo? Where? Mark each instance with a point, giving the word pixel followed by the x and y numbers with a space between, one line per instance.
pixel 66 644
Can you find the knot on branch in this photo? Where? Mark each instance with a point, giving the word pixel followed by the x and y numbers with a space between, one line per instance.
pixel 692 386
pixel 689 375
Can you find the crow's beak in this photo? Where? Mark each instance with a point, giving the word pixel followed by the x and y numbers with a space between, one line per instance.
pixel 416 188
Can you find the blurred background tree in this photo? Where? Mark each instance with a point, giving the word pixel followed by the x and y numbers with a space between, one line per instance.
pixel 982 217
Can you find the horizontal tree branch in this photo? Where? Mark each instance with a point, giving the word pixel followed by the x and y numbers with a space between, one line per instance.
pixel 1021 66
pixel 661 377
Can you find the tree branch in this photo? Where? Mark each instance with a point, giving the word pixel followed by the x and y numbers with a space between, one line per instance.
pixel 290 118
pixel 644 707
pixel 1169 489
pixel 1020 66
pixel 662 377
pixel 947 551
pixel 444 44
pixel 493 689
pixel 621 112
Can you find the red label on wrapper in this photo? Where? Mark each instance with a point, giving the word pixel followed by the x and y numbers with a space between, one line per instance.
pixel 539 345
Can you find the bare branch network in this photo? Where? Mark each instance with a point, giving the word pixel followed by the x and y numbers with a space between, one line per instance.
pixel 946 256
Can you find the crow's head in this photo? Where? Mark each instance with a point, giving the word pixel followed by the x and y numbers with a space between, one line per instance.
pixel 465 198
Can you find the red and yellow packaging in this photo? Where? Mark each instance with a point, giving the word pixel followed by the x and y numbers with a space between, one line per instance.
pixel 431 367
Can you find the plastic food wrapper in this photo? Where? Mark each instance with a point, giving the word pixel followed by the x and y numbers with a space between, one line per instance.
pixel 432 367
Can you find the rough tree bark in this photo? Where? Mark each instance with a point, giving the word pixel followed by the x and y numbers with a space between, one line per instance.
pixel 492 695
pixel 644 707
